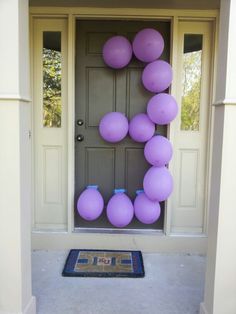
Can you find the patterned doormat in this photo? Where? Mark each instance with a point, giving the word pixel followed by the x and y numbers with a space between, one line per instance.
pixel 104 263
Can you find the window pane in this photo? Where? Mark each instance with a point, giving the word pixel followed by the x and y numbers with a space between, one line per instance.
pixel 52 79
pixel 191 82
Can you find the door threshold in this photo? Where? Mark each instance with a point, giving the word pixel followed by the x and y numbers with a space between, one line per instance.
pixel 118 231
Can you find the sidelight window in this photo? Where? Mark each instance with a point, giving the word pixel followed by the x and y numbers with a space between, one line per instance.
pixel 191 82
pixel 52 64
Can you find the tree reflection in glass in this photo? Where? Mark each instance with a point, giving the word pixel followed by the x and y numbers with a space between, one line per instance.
pixel 191 82
pixel 52 79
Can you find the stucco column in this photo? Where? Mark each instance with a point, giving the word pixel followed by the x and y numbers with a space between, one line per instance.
pixel 220 285
pixel 15 222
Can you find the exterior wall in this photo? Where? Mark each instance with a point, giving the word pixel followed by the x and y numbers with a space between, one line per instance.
pixel 184 242
pixel 220 284
pixel 15 158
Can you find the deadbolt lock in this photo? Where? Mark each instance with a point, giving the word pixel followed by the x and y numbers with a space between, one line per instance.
pixel 80 122
pixel 79 137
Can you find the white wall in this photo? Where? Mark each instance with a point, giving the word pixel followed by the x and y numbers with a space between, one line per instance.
pixel 15 193
pixel 220 283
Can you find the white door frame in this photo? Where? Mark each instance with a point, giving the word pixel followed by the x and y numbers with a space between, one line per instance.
pixel 189 164
pixel 50 143
pixel 69 238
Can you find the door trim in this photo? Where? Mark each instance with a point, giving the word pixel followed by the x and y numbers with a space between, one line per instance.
pixel 174 52
pixel 120 13
pixel 123 13
pixel 49 139
pixel 207 29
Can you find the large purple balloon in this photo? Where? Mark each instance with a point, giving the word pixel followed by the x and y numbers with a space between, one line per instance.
pixel 117 52
pixel 158 184
pixel 113 127
pixel 148 45
pixel 120 210
pixel 146 210
pixel 157 76
pixel 162 109
pixel 158 151
pixel 141 128
pixel 90 203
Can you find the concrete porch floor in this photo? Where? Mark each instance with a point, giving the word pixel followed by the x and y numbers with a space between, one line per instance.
pixel 173 285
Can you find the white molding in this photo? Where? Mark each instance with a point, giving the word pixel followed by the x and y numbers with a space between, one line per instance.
pixel 124 12
pixel 225 102
pixel 203 309
pixel 31 56
pixel 16 97
pixel 71 118
pixel 149 243
pixel 30 307
pixel 170 128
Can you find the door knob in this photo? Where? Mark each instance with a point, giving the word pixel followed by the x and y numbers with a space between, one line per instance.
pixel 79 137
pixel 80 122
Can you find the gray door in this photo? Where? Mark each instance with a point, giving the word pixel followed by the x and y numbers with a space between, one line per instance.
pixel 99 90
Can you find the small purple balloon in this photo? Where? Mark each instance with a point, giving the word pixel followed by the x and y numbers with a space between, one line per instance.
pixel 148 45
pixel 157 76
pixel 117 52
pixel 141 128
pixel 162 109
pixel 120 210
pixel 158 151
pixel 158 184
pixel 113 127
pixel 90 203
pixel 145 210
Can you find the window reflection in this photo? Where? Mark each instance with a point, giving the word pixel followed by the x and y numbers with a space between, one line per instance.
pixel 191 82
pixel 52 79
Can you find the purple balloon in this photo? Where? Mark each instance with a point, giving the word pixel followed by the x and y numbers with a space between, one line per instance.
pixel 145 210
pixel 90 203
pixel 157 76
pixel 148 45
pixel 158 151
pixel 162 109
pixel 117 52
pixel 141 128
pixel 158 184
pixel 120 210
pixel 113 127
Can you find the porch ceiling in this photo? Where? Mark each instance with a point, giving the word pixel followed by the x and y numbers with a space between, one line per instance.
pixel 162 4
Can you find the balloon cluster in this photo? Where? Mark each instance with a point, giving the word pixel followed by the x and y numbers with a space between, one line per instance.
pixel 162 108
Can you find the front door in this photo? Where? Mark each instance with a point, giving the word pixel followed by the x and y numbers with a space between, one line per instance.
pixel 99 90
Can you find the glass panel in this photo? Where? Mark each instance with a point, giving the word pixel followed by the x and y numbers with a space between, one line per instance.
pixel 191 82
pixel 52 79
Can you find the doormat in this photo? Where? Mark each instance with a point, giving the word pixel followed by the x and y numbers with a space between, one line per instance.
pixel 104 263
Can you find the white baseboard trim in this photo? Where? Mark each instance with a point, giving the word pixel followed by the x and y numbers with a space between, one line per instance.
pixel 148 243
pixel 203 309
pixel 30 307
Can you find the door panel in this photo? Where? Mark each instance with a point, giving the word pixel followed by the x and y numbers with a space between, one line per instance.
pixel 97 80
pixel 50 124
pixel 191 128
pixel 133 174
pixel 99 90
pixel 99 163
